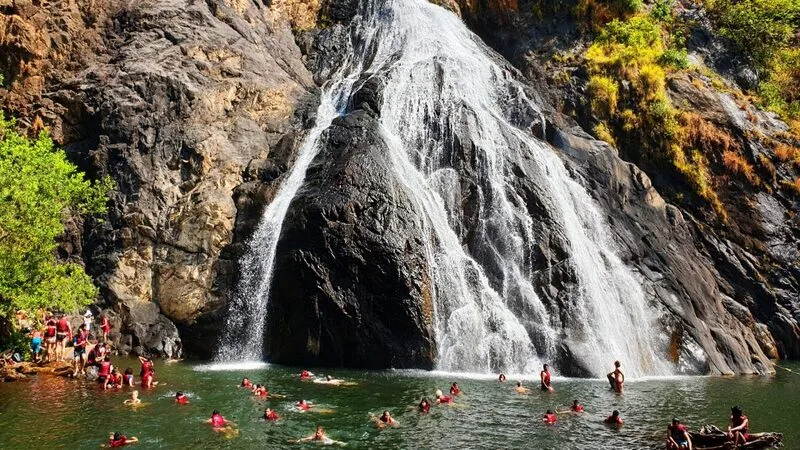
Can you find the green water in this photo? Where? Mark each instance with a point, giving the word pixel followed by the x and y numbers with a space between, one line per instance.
pixel 50 412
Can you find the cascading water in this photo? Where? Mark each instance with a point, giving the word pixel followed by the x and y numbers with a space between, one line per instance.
pixel 444 92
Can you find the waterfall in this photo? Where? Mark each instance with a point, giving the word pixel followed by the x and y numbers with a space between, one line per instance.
pixel 449 105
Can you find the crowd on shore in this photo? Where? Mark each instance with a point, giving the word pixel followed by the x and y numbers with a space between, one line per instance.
pixel 91 358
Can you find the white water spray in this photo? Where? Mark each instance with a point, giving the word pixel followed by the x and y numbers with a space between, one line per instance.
pixel 445 111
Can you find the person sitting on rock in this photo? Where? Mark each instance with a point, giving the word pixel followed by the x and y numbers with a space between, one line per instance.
pixel 739 427
pixel 678 436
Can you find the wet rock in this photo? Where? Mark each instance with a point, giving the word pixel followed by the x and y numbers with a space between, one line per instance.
pixel 350 286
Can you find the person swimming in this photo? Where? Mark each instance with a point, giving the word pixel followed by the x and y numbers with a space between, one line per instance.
pixel 454 389
pixel 120 440
pixel 246 383
pixel 319 436
pixel 134 400
pixel 544 378
pixel 270 415
pixel 305 375
pixel 521 389
pixel 424 406
pixel 678 436
pixel 127 379
pixel 576 407
pixel 260 391
pixel 181 398
pixel 614 419
pixel 501 378
pixel 303 405
pixel 386 420
pixel 549 417
pixel 218 422
pixel 440 398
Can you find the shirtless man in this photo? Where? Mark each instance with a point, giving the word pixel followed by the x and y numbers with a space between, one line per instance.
pixel 616 378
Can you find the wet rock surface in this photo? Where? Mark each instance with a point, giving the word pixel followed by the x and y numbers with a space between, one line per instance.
pixel 351 285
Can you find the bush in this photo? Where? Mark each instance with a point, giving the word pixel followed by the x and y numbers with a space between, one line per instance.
pixel 602 132
pixel 781 91
pixel 603 96
pixel 736 163
pixel 676 58
pixel 40 188
pixel 758 28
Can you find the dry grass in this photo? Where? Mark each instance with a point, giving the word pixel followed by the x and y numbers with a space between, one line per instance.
pixel 736 163
pixel 786 153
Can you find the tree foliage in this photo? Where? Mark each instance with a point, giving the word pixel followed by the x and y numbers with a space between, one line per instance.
pixel 39 190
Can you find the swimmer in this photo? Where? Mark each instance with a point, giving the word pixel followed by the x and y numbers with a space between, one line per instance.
pixel 443 399
pixel 113 381
pixel 270 415
pixel 576 407
pixel 521 389
pixel 544 378
pixel 260 391
pixel 120 440
pixel 386 420
pixel 549 417
pixel 454 389
pixel 616 378
pixel 220 425
pixel 305 375
pixel 181 398
pixel 501 378
pixel 319 436
pixel 303 405
pixel 134 400
pixel 614 419
pixel 424 406
pixel 246 383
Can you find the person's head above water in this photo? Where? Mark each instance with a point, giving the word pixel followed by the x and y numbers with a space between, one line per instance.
pixel 575 402
pixel 615 413
pixel 117 436
pixel 320 433
pixel 215 412
pixel 519 383
pixel 549 411
pixel 179 394
pixel 135 394
pixel 328 377
pixel 128 371
pixel 438 393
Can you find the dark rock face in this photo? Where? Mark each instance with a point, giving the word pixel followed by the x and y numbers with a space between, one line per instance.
pixel 351 285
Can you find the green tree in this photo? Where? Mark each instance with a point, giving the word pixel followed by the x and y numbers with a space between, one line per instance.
pixel 39 190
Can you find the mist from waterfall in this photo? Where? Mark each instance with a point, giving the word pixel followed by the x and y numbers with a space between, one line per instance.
pixel 450 106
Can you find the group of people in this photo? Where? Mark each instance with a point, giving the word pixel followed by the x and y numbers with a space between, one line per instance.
pixel 50 337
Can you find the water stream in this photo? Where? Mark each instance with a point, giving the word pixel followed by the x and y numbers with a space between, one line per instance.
pixel 452 114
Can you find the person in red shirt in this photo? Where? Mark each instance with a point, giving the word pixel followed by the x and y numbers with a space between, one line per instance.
pixel 147 372
pixel 305 375
pixel 424 406
pixel 576 407
pixel 50 338
pixel 303 405
pixel 63 331
pixel 678 436
pixel 614 419
pixel 105 327
pixel 79 343
pixel 739 427
pixel 104 371
pixel 454 389
pixel 386 420
pixel 549 417
pixel 181 398
pixel 544 377
pixel 119 440
pixel 219 423
pixel 260 391
pixel 443 398
pixel 113 380
pixel 246 383
pixel 270 415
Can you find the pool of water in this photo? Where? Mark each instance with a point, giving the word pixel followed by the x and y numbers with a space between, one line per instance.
pixel 51 412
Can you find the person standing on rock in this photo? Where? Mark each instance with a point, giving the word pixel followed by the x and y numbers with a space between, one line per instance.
pixel 105 327
pixel 79 343
pixel 36 344
pixel 50 338
pixel 63 331
pixel 616 378
pixel 544 377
